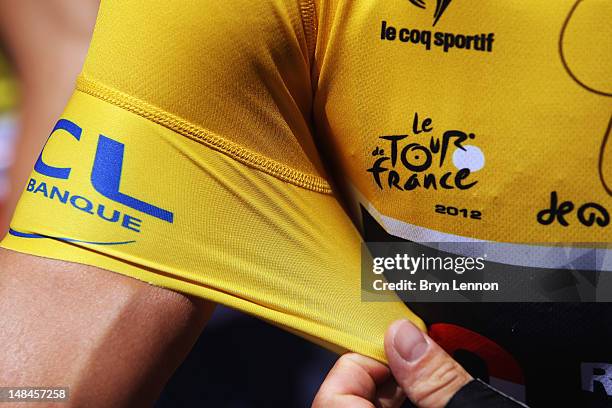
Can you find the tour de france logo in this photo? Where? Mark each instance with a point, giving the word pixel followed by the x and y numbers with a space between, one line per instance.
pixel 441 6
pixel 426 159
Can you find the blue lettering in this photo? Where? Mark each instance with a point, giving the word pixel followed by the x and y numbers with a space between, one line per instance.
pixel 132 223
pixel 56 192
pixel 88 204
pixel 106 178
pixel 58 172
pixel 31 185
pixel 42 187
pixel 114 218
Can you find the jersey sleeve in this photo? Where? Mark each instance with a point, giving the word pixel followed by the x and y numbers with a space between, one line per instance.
pixel 185 159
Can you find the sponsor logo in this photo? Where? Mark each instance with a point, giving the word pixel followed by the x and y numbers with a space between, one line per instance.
pixel 427 39
pixel 106 174
pixel 441 6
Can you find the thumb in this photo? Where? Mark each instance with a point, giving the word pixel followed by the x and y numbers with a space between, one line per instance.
pixel 428 376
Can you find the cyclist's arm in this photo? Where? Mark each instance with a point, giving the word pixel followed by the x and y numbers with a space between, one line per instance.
pixel 113 340
pixel 47 42
pixel 186 159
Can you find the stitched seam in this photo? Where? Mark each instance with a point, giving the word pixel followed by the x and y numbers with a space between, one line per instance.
pixel 309 22
pixel 185 128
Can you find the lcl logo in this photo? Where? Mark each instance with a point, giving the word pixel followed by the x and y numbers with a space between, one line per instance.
pixel 441 6
pixel 106 171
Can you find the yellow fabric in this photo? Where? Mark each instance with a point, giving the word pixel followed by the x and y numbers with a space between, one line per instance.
pixel 539 129
pixel 238 73
pixel 238 236
pixel 224 108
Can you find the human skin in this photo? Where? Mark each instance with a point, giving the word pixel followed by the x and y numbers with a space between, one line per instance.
pixel 418 369
pixel 115 341
pixel 46 42
pixel 112 340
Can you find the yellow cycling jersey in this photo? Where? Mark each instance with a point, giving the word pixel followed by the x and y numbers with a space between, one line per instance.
pixel 186 159
pixel 200 146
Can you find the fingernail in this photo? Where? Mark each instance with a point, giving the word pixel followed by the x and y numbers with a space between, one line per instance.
pixel 409 342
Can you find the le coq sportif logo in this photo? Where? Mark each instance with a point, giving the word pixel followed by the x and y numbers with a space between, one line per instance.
pixel 429 39
pixel 441 6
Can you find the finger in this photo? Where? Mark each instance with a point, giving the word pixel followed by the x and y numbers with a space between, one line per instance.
pixel 389 395
pixel 353 382
pixel 426 373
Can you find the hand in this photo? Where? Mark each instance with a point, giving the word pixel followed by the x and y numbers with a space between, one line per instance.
pixel 418 369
